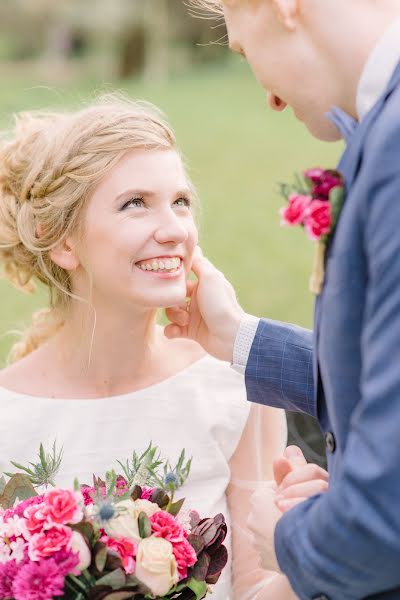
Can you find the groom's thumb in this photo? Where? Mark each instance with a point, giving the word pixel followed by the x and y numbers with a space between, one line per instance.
pixel 295 456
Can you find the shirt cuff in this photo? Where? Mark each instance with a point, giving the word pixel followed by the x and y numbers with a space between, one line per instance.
pixel 243 342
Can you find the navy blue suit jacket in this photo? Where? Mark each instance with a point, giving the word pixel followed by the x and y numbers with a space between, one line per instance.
pixel 345 544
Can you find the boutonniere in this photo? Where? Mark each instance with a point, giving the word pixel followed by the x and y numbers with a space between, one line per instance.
pixel 314 203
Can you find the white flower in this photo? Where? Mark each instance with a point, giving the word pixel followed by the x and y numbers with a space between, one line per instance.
pixel 156 565
pixel 125 523
pixel 79 545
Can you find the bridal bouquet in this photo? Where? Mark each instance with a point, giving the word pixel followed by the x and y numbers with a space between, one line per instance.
pixel 117 539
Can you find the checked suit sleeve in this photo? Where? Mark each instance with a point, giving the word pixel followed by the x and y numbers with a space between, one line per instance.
pixel 346 542
pixel 279 369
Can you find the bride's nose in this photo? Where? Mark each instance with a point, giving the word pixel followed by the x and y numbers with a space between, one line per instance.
pixel 171 230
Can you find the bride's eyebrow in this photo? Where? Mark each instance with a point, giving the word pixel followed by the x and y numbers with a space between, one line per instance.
pixel 135 192
pixel 150 193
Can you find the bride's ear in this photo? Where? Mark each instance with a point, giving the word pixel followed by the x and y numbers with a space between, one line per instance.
pixel 64 255
pixel 287 12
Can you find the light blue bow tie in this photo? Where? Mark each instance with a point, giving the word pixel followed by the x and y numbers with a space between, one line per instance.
pixel 344 122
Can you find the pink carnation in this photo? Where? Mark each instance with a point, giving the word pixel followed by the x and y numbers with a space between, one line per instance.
pixel 125 548
pixel 146 493
pixel 49 541
pixel 295 212
pixel 323 181
pixel 38 581
pixel 19 509
pixel 67 562
pixel 62 507
pixel 185 557
pixel 319 219
pixel 8 572
pixel 35 518
pixel 164 525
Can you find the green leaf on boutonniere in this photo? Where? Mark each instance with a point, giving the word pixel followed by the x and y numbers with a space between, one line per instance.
pixel 198 587
pixel 2 484
pixel 19 487
pixel 144 525
pixel 336 199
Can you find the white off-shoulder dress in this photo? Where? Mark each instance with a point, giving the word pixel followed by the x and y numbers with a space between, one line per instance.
pixel 203 409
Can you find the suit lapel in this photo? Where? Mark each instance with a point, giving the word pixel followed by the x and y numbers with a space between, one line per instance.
pixel 349 166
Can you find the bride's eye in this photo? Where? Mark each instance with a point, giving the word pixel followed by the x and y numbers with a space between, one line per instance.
pixel 183 202
pixel 134 203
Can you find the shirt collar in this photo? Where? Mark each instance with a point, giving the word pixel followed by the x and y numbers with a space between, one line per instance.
pixel 378 70
pixel 374 79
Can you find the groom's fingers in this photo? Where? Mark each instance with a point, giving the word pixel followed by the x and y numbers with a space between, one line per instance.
pixel 178 315
pixel 304 489
pixel 303 474
pixel 174 331
pixel 285 505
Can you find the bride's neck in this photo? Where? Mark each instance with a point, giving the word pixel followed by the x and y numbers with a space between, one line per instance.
pixel 110 349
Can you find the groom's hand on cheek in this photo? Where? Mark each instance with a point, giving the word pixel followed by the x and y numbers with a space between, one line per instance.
pixel 212 316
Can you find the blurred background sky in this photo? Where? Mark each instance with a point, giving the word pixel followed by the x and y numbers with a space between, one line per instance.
pixel 57 53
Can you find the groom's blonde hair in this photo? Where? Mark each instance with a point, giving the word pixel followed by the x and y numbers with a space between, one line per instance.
pixel 48 168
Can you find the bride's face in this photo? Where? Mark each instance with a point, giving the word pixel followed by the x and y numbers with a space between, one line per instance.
pixel 140 234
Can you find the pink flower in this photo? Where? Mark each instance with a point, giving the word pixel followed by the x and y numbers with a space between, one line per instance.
pixel 49 541
pixel 319 219
pixel 38 581
pixel 146 493
pixel 323 182
pixel 35 519
pixel 8 572
pixel 185 557
pixel 67 562
pixel 124 548
pixel 21 506
pixel 164 525
pixel 62 507
pixel 295 212
pixel 315 175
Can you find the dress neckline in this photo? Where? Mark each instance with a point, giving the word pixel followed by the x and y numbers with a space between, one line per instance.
pixel 116 397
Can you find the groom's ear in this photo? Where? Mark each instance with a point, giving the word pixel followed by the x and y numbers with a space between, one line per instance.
pixel 287 12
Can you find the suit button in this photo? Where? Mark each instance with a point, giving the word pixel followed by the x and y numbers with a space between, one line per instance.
pixel 330 441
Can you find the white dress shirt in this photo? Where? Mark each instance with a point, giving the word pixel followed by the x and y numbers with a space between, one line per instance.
pixel 374 79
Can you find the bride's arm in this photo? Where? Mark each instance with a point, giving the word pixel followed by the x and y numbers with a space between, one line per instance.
pixel 263 440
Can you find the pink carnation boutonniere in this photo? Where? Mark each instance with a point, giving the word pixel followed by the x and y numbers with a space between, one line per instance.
pixel 314 203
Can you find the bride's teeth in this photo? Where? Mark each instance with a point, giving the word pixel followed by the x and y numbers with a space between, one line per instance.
pixel 168 264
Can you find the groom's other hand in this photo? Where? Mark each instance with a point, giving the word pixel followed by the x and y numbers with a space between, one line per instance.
pixel 213 314
pixel 296 479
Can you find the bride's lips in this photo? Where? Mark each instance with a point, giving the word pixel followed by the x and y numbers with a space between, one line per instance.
pixel 276 103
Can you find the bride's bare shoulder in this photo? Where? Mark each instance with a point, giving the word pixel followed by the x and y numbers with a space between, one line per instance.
pixel 15 376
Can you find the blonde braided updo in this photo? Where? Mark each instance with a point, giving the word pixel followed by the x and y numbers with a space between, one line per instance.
pixel 48 169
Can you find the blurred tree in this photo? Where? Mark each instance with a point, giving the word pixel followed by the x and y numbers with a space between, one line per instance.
pixel 140 33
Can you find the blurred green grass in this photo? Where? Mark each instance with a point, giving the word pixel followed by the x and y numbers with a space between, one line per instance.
pixel 237 151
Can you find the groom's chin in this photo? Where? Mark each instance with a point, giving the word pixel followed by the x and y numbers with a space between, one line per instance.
pixel 323 130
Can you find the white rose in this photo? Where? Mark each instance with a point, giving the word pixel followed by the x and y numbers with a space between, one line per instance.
pixel 79 545
pixel 125 523
pixel 156 565
pixel 149 508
